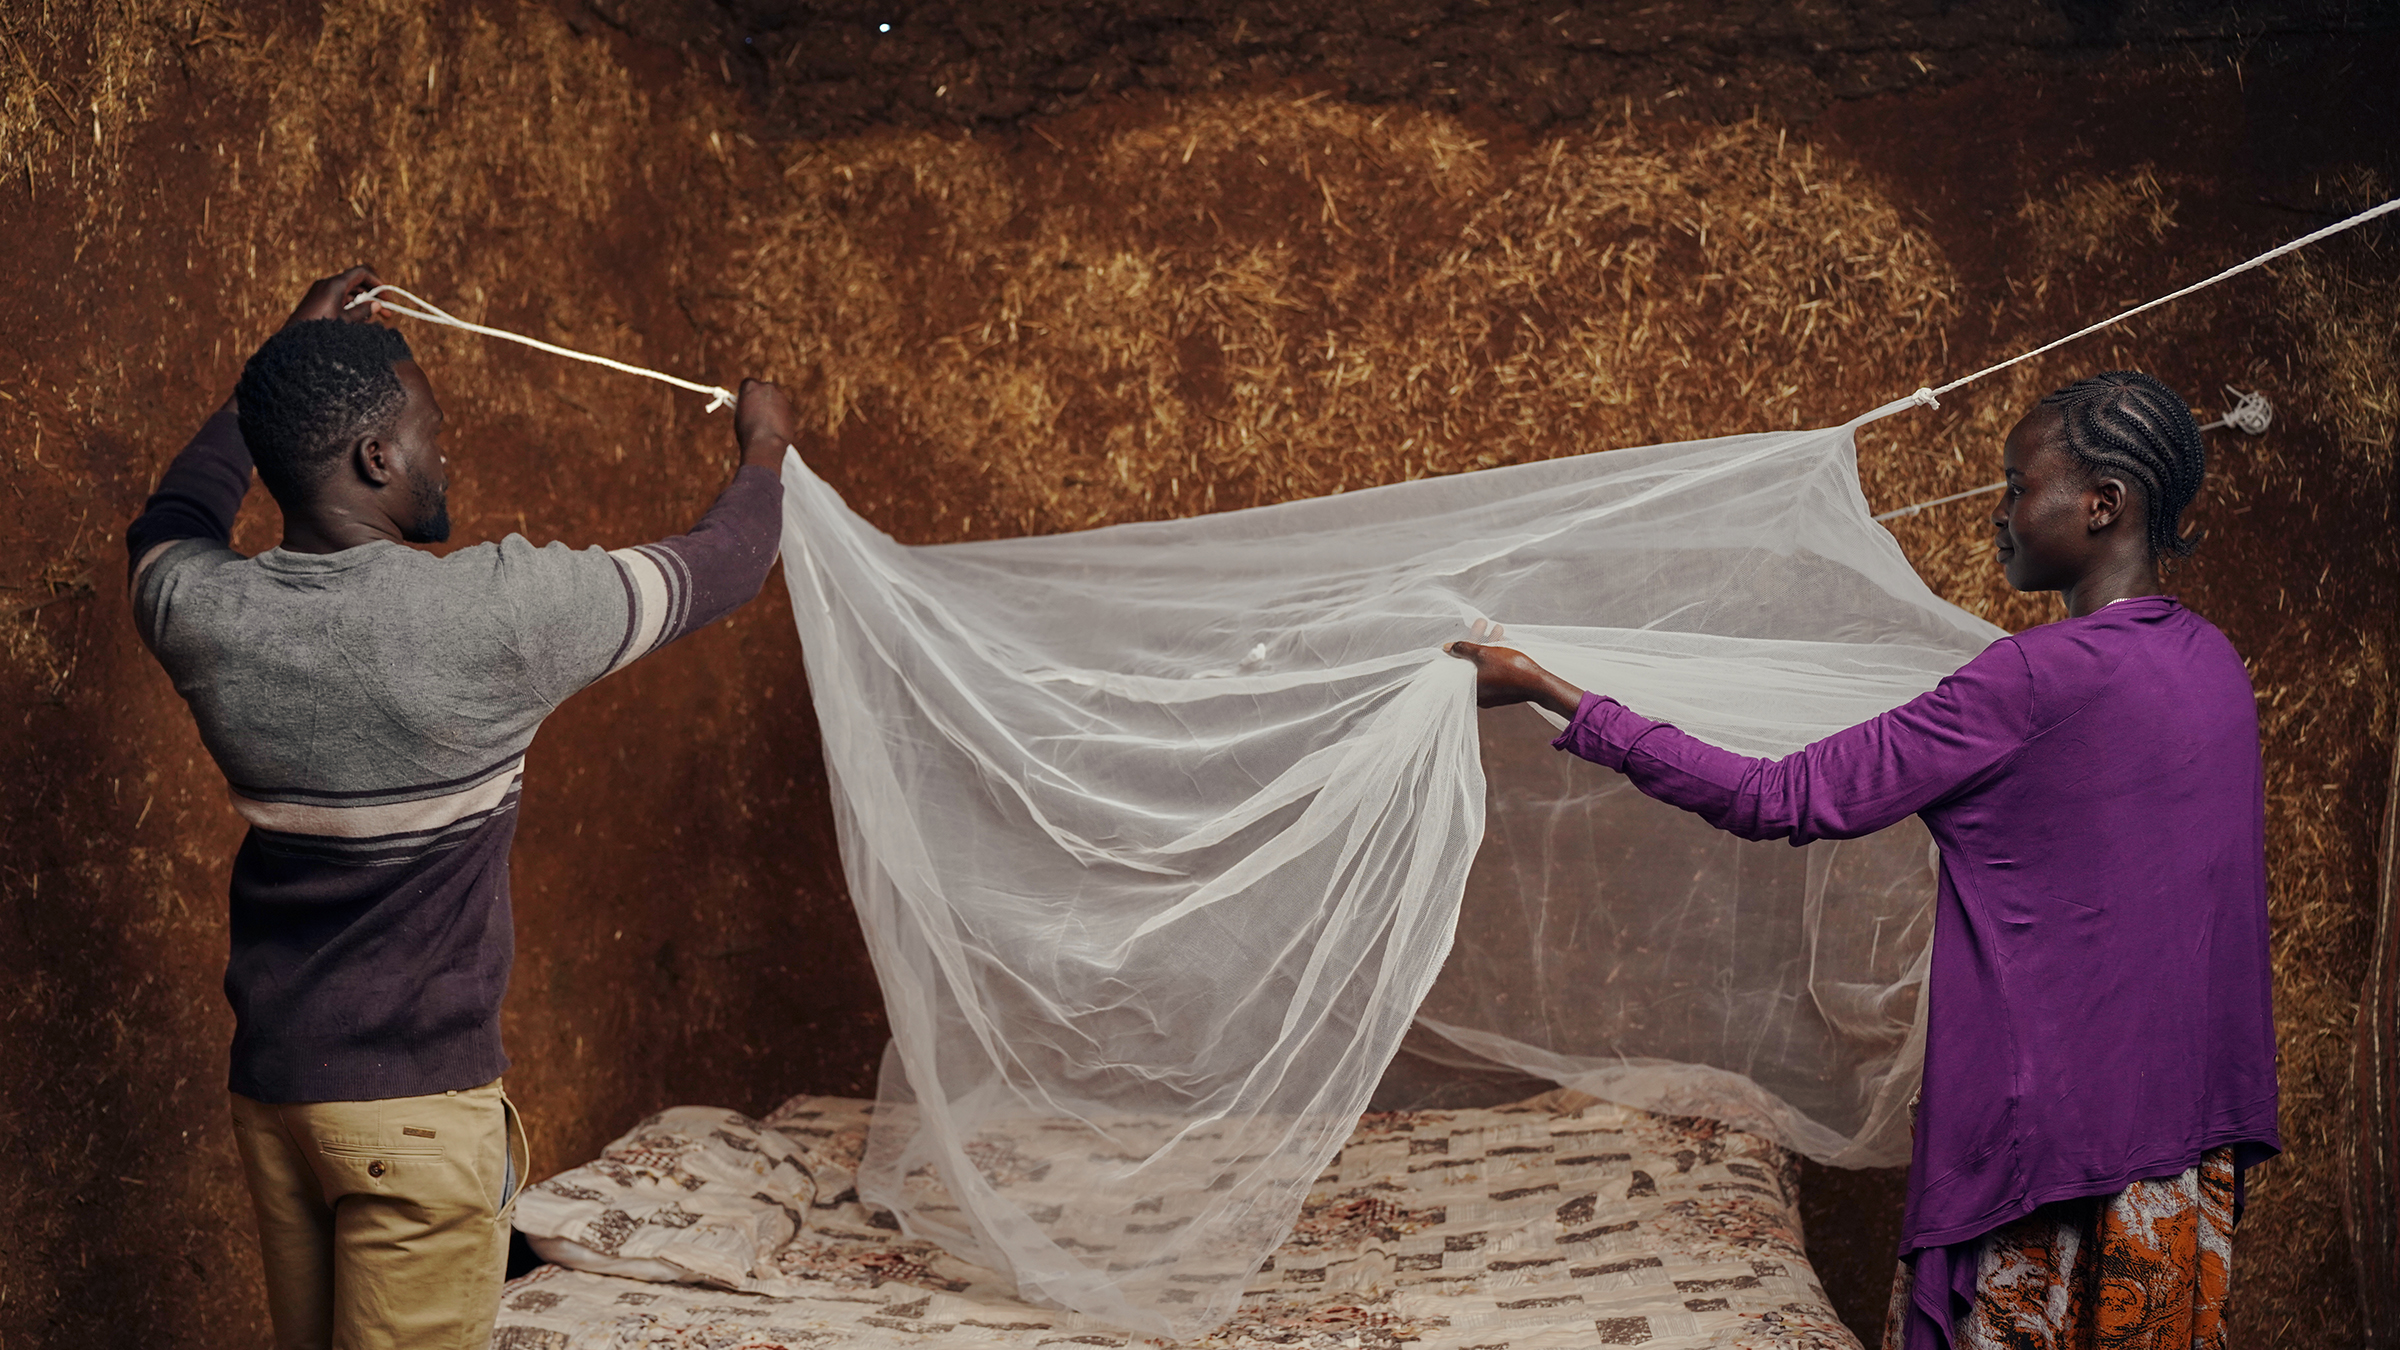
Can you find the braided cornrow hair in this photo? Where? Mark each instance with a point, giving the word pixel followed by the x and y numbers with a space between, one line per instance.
pixel 2124 422
pixel 311 388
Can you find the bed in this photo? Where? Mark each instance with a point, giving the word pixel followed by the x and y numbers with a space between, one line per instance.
pixel 1557 1221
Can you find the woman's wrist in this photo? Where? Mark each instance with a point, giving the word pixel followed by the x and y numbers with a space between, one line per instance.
pixel 1562 698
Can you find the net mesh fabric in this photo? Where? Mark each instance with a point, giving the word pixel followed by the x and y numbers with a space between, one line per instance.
pixel 1159 835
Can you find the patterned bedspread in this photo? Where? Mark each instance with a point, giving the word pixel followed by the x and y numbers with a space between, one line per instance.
pixel 1554 1222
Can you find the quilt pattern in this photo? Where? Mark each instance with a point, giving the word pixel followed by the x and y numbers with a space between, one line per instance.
pixel 1556 1222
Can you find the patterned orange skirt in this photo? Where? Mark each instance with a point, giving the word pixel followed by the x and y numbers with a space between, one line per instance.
pixel 2143 1269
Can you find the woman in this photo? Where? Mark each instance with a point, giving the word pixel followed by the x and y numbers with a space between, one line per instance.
pixel 2100 1050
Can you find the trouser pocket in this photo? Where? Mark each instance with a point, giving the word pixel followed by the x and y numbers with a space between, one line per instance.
pixel 517 1148
pixel 380 1169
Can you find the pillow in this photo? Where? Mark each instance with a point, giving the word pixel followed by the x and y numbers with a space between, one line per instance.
pixel 693 1195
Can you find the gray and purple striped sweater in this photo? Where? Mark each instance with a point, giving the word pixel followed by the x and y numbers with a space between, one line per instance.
pixel 370 710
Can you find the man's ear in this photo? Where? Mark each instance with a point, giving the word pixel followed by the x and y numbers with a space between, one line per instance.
pixel 371 459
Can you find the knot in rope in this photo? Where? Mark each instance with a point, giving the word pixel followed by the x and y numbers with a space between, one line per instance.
pixel 2250 413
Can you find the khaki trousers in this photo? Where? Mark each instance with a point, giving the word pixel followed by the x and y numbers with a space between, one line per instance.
pixel 384 1224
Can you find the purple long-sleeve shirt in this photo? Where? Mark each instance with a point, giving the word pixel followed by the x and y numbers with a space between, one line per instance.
pixel 2098 1007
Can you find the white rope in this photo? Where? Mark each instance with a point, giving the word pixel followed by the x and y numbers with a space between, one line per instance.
pixel 2251 409
pixel 432 313
pixel 1941 501
pixel 2250 412
pixel 1931 398
pixel 2250 415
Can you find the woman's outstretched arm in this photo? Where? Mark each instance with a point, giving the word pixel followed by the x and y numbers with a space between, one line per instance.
pixel 1853 782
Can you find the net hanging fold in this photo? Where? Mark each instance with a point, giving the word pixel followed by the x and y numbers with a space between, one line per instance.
pixel 1160 835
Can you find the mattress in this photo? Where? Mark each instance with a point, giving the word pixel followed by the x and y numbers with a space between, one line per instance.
pixel 1558 1221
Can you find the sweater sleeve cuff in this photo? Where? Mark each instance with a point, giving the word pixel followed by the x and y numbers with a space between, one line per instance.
pixel 753 505
pixel 1603 731
pixel 760 478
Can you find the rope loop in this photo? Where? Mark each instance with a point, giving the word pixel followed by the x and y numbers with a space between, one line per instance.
pixel 430 312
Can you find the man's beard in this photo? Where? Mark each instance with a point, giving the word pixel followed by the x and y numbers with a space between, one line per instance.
pixel 432 522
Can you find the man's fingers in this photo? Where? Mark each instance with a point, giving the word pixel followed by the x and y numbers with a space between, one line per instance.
pixel 330 297
pixel 762 422
pixel 356 282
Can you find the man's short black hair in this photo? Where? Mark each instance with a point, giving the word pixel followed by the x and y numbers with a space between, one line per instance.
pixel 309 391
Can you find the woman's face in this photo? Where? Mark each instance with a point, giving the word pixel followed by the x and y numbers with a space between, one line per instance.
pixel 2048 513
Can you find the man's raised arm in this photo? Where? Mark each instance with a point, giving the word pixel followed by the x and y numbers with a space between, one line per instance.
pixel 197 496
pixel 686 582
pixel 201 491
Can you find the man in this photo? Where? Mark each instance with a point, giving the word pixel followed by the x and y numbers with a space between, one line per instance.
pixel 370 705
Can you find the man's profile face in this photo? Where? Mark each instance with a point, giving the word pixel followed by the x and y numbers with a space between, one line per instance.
pixel 416 432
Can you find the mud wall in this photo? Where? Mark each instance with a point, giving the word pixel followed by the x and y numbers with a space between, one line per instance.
pixel 1036 268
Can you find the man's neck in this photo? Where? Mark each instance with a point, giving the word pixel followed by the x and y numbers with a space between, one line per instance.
pixel 334 529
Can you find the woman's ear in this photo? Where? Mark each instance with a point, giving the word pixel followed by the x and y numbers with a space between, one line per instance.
pixel 2107 503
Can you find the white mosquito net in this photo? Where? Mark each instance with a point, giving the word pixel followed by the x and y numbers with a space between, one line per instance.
pixel 1160 836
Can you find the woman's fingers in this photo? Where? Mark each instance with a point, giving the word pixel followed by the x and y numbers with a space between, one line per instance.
pixel 1504 675
pixel 1496 674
